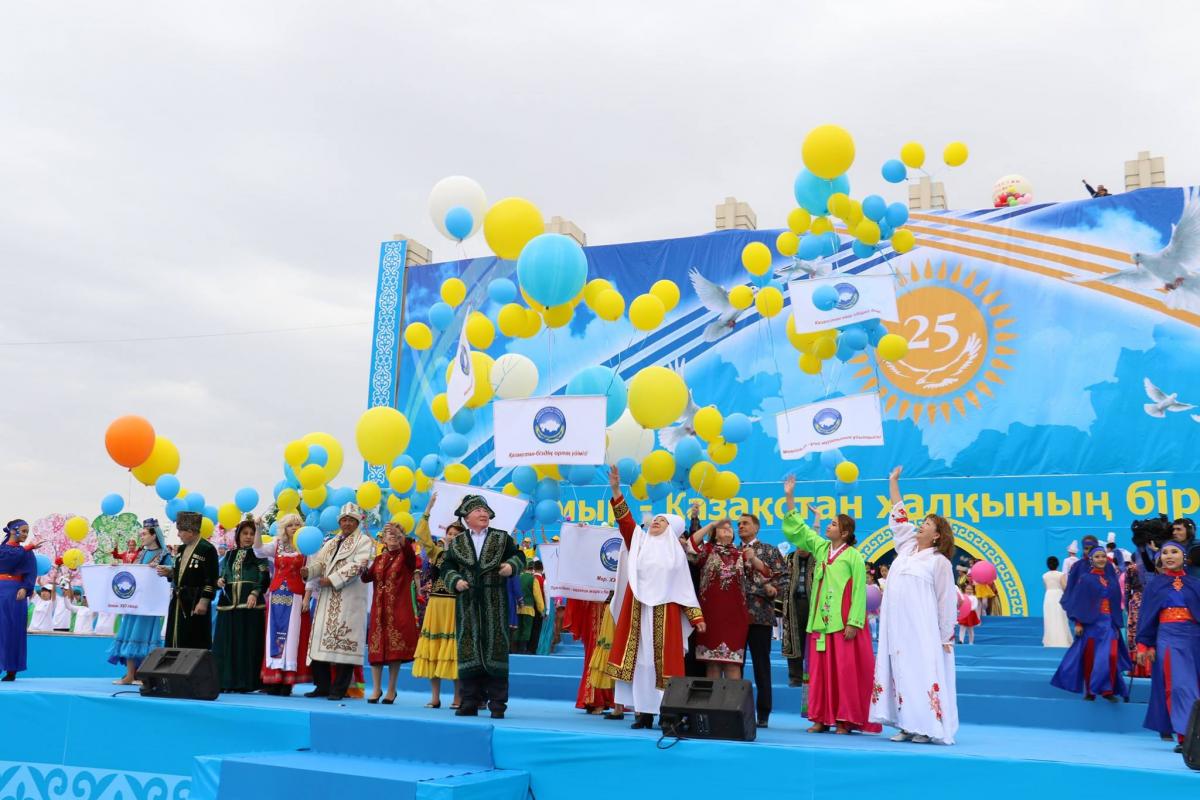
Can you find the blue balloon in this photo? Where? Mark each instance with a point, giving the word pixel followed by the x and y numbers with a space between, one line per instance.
pixel 548 489
pixel 602 381
pixel 547 511
pixel 525 479
pixel 874 207
pixel 211 513
pixel 195 502
pixel 854 338
pixel 844 351
pixel 502 291
pixel 317 455
pixel 657 491
pixel 112 504
pixel 405 461
pixel 885 230
pixel 279 487
pixel 459 222
pixel 687 452
pixel 329 520
pixel 736 428
pixel 830 244
pixel 831 458
pixel 629 470
pixel 894 170
pixel 810 247
pixel 862 250
pixel 245 499
pixel 813 193
pixel 167 487
pixel 463 421
pixel 525 522
pixel 289 475
pixel 897 214
pixel 581 474
pixel 312 518
pixel 762 280
pixel 552 269
pixel 453 445
pixel 441 315
pixel 43 563
pixel 309 540
pixel 875 332
pixel 431 465
pixel 825 297
pixel 339 497
pixel 174 506
pixel 273 531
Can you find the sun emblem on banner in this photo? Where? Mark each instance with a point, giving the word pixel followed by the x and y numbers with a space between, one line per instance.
pixel 958 338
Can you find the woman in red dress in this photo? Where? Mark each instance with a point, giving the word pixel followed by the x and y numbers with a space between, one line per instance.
pixel 722 596
pixel 392 633
pixel 585 618
pixel 288 620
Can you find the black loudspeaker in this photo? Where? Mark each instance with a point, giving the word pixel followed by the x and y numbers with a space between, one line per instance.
pixel 187 674
pixel 1191 741
pixel 699 708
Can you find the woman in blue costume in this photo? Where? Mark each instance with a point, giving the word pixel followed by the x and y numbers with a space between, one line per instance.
pixel 1170 630
pixel 138 635
pixel 18 569
pixel 1095 664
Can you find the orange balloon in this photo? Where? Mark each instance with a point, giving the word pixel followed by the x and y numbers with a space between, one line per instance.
pixel 129 440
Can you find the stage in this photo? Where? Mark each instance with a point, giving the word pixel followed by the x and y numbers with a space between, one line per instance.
pixel 81 741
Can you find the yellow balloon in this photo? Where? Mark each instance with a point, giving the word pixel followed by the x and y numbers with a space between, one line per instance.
pixel 510 224
pixel 721 451
pixel 401 479
pixel 333 449
pixel 867 231
pixel 657 397
pixel 798 220
pixel 646 312
pixel 315 497
pixel 726 485
pixel 440 408
pixel 769 301
pixel 610 305
pixel 206 528
pixel 828 151
pixel 955 154
pixel 708 423
pixel 700 474
pixel 810 363
pixel 511 319
pixel 418 336
pixel 846 471
pixel 787 243
pixel 404 519
pixel 892 347
pixel 593 289
pixel 295 454
pixel 839 205
pixel 658 467
pixel 533 324
pixel 824 346
pixel 229 516
pixel 76 529
pixel 369 494
pixel 163 460
pixel 424 482
pixel 73 558
pixel 903 240
pixel 311 476
pixel 454 291
pixel 511 489
pixel 288 500
pixel 382 434
pixel 741 296
pixel 481 365
pixel 547 471
pixel 667 292
pixel 395 504
pixel 557 316
pixel 821 225
pixel 913 155
pixel 756 258
pixel 534 304
pixel 457 473
pixel 638 488
pixel 480 331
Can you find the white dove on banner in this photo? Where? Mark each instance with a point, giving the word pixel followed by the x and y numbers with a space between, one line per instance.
pixel 715 299
pixel 1162 402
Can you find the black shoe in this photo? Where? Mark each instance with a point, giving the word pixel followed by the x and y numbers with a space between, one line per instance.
pixel 497 715
pixel 9 676
pixel 642 721
pixel 373 700
pixel 336 697
pixel 614 715
pixel 762 723
pixel 317 693
pixel 463 711
pixel 1178 748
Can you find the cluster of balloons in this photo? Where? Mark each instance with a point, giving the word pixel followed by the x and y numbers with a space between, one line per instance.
pixel 132 443
pixel 816 347
pixel 1012 190
pixel 456 206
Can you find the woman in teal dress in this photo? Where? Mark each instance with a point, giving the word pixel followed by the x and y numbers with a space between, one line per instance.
pixel 241 613
pixel 137 635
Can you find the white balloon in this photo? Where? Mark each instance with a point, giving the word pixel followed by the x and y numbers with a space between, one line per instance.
pixel 514 376
pixel 627 439
pixel 457 190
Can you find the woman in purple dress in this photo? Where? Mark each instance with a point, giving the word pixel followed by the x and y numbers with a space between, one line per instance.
pixel 18 568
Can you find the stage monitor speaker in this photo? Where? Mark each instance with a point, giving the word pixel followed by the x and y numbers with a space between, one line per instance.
pixel 187 674
pixel 1191 741
pixel 699 708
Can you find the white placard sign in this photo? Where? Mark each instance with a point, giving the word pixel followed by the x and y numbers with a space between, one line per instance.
pixel 126 589
pixel 549 430
pixel 852 421
pixel 859 298
pixel 449 496
pixel 461 384
pixel 588 556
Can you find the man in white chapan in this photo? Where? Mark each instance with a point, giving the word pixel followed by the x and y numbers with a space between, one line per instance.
pixel 657 610
pixel 1072 557
pixel 339 627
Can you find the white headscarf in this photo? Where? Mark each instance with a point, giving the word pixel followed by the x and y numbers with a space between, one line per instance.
pixel 658 570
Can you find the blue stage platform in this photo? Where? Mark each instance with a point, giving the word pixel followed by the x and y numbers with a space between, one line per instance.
pixel 80 741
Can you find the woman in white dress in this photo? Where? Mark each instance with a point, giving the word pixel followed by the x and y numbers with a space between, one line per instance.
pixel 916 631
pixel 1056 630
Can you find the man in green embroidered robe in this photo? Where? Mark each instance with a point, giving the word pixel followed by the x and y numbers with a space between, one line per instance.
pixel 476 568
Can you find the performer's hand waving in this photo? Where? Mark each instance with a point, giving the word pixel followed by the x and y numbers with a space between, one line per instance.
pixel 614 480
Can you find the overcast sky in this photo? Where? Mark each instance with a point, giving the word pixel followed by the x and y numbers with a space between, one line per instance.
pixel 171 169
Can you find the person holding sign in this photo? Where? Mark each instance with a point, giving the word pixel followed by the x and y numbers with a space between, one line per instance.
pixel 193 586
pixel 477 567
pixel 658 609
pixel 139 634
pixel 18 568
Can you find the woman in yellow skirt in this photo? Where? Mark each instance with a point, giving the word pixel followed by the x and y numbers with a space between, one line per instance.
pixel 599 677
pixel 436 657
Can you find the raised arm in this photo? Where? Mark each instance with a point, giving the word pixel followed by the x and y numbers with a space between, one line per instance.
pixel 620 508
pixel 894 485
pixel 795 529
pixel 904 533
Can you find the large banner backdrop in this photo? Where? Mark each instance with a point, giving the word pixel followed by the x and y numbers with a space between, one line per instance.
pixel 1020 411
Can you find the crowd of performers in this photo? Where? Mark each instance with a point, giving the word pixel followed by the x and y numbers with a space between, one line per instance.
pixel 690 600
